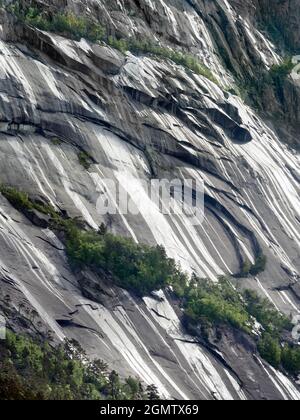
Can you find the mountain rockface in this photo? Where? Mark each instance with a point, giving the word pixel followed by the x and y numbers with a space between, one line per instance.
pixel 140 117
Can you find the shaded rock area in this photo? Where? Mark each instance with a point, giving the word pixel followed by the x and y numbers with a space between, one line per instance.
pixel 139 117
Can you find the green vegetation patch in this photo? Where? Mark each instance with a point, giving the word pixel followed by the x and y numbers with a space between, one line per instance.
pixel 84 160
pixel 77 27
pixel 270 350
pixel 216 304
pixel 272 321
pixel 17 198
pixel 136 267
pixel 254 269
pixel 254 88
pixel 148 47
pixel 280 355
pixel 34 370
pixel 21 201
pixel 56 141
pixel 68 24
pixel 290 359
pixel 279 73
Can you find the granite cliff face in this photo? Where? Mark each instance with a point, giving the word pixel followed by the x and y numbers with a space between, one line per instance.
pixel 139 117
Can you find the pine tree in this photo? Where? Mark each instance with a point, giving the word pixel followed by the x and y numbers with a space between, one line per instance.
pixel 152 393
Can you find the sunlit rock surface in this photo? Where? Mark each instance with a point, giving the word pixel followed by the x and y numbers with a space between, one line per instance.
pixel 141 118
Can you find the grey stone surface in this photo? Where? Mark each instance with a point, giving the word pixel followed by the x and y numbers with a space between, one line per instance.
pixel 139 117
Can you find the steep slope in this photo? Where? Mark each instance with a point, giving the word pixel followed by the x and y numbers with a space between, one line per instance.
pixel 139 117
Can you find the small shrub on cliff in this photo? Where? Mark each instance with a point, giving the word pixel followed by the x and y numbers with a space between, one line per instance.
pixel 84 160
pixel 278 75
pixel 259 266
pixel 245 271
pixel 253 269
pixel 280 72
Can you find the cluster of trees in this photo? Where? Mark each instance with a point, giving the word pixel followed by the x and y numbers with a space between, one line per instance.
pixel 215 304
pixel 274 325
pixel 77 27
pixel 30 369
pixel 272 321
pixel 219 303
pixel 279 354
pixel 136 267
pixel 271 346
pixel 290 359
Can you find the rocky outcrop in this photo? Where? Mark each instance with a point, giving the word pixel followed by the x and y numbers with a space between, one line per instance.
pixel 283 20
pixel 139 117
